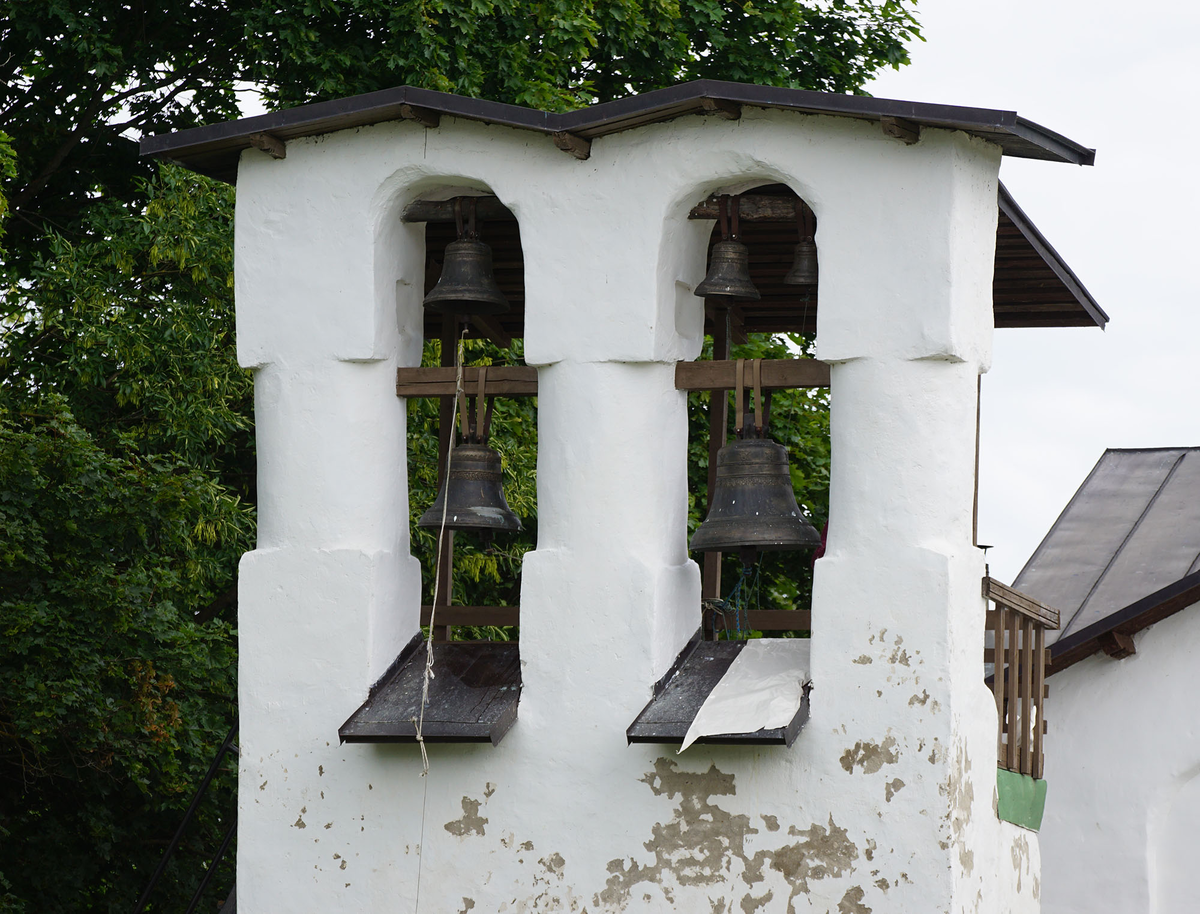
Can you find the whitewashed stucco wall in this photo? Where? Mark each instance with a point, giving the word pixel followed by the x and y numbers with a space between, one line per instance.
pixel 1123 775
pixel 885 802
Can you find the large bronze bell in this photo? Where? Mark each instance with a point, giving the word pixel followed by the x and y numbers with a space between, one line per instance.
pixel 804 265
pixel 467 285
pixel 753 505
pixel 729 273
pixel 729 263
pixel 473 494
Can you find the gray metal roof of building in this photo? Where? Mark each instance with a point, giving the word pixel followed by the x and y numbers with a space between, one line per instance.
pixel 1126 546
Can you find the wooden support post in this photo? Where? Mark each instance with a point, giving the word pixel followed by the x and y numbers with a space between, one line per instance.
pixel 1000 625
pixel 1039 691
pixel 1027 705
pixel 718 422
pixel 445 434
pixel 1012 696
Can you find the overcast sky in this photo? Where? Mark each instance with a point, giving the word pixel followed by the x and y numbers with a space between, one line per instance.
pixel 1121 78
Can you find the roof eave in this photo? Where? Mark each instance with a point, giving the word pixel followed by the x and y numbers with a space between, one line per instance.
pixel 214 149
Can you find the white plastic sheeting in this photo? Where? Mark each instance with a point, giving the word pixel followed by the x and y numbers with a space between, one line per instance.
pixel 761 690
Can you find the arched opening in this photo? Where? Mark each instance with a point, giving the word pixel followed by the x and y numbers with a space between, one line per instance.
pixel 479 586
pixel 753 601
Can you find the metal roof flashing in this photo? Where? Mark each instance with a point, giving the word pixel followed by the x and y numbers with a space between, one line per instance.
pixel 214 150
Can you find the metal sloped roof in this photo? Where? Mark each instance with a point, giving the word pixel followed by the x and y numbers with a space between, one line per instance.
pixel 1126 547
pixel 214 150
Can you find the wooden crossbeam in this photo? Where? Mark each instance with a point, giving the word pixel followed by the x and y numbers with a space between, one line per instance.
pixel 777 374
pixel 502 380
pixel 1025 605
pixel 487 208
pixel 473 615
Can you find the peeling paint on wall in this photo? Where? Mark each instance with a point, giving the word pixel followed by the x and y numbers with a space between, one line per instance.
pixel 870 756
pixel 471 822
pixel 702 841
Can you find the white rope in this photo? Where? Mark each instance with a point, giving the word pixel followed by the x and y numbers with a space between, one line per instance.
pixel 437 579
pixel 441 542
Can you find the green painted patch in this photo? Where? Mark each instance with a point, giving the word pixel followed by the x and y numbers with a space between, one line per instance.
pixel 1022 799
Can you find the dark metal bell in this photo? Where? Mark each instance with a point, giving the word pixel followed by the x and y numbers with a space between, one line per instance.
pixel 804 265
pixel 473 493
pixel 728 273
pixel 467 285
pixel 753 504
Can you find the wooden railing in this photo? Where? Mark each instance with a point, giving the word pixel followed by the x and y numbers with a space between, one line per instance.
pixel 1018 653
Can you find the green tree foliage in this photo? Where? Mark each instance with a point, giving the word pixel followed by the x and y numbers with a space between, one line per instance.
pixel 126 440
pixel 77 79
pixel 112 697
pixel 125 447
pixel 569 53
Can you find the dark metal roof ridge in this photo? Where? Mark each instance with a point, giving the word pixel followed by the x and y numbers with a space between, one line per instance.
pixel 1052 258
pixel 1133 618
pixel 230 137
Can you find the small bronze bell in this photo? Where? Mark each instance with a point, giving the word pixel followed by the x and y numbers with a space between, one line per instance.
pixel 804 261
pixel 729 273
pixel 467 285
pixel 804 265
pixel 473 494
pixel 729 263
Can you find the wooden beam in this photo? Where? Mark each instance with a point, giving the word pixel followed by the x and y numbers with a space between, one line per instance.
pixel 753 208
pixel 737 324
pixel 487 208
pixel 489 327
pixel 780 620
pixel 1013 599
pixel 426 117
pixel 578 146
pixel 1117 645
pixel 502 381
pixel 718 423
pixel 269 143
pixel 777 374
pixel 901 129
pixel 731 111
pixel 473 615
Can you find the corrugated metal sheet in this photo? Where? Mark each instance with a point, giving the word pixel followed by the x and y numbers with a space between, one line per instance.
pixel 1131 530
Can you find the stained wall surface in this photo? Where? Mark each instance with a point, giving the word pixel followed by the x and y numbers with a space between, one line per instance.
pixel 885 801
pixel 1123 773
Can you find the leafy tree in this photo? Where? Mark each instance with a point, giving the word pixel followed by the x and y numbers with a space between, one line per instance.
pixel 126 440
pixel 566 53
pixel 125 445
pixel 78 79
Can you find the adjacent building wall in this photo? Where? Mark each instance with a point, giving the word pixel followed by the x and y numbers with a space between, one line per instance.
pixel 1123 769
pixel 885 802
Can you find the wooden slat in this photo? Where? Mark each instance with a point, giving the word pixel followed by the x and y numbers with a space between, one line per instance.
pixel 1012 698
pixel 998 628
pixel 1027 703
pixel 751 208
pixel 488 208
pixel 779 620
pixel 1001 593
pixel 1039 691
pixel 502 380
pixel 777 374
pixel 718 423
pixel 473 615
